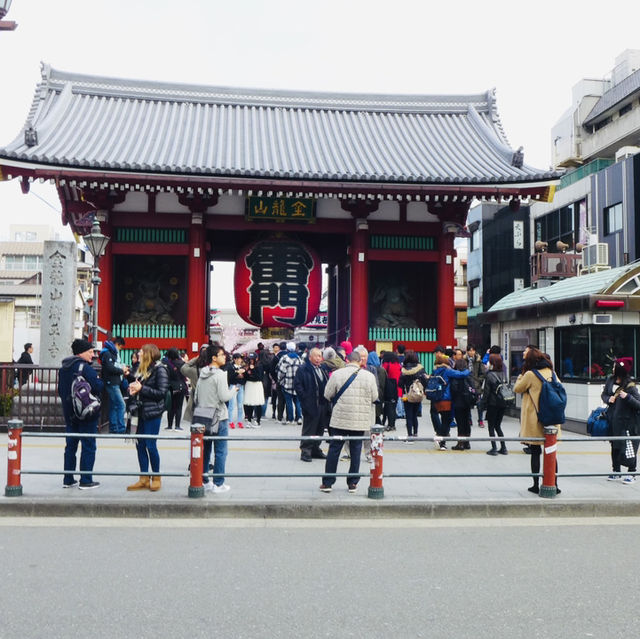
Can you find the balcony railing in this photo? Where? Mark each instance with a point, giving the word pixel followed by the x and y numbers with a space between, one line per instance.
pixel 554 266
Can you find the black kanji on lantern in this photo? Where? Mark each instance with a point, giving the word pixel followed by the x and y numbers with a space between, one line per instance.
pixel 279 277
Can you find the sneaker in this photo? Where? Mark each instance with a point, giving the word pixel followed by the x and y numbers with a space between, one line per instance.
pixel 480 423
pixel 299 421
pixel 453 424
pixel 232 425
pixel 614 478
pixel 325 489
pixel 240 425
pixel 221 489
pixel 443 446
pixel 89 485
pixel 208 486
pixel 628 479
pixel 257 425
pixel 283 421
pixel 179 428
pixel 352 488
pixel 73 485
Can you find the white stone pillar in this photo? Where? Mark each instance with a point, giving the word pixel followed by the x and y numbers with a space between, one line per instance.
pixel 59 284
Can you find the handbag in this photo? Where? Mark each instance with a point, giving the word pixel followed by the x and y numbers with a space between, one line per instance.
pixel 629 452
pixel 209 417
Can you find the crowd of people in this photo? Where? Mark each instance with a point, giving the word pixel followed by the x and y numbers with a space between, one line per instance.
pixel 340 390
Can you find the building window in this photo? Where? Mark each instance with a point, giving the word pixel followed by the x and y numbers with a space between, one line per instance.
pixel 613 219
pixel 23 263
pixel 33 316
pixel 625 109
pixel 599 125
pixel 588 352
pixel 475 240
pixel 475 296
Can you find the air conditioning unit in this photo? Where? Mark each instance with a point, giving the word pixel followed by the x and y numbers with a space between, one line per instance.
pixel 595 255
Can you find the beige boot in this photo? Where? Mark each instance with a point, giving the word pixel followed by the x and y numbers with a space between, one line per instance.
pixel 156 483
pixel 141 484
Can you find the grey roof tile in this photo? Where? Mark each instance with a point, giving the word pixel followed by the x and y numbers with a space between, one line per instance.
pixel 615 95
pixel 88 121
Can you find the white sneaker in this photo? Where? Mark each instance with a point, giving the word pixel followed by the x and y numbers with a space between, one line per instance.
pixel 208 486
pixel 628 479
pixel 221 489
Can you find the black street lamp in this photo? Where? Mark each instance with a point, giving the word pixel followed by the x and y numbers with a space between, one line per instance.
pixel 96 242
pixel 6 25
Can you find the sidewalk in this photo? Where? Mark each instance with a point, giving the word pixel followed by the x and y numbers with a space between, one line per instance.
pixel 300 497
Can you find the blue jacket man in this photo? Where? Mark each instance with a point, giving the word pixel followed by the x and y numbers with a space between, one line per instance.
pixel 112 374
pixel 309 383
pixel 82 355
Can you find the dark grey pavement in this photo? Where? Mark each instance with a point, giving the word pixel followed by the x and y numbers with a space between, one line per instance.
pixel 300 496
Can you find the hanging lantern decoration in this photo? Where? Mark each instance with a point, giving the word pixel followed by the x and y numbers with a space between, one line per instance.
pixel 278 283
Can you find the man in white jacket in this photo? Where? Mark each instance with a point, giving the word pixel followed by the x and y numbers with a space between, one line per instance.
pixel 353 392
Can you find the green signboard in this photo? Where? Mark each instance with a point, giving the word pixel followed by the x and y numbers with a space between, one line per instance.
pixel 281 208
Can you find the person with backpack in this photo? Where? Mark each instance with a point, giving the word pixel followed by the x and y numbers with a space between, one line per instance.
pixel 621 395
pixel 463 399
pixel 73 368
pixel 150 387
pixel 492 402
pixel 536 369
pixel 439 392
pixel 413 382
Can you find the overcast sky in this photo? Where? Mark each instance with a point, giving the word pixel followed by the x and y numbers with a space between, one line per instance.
pixel 532 53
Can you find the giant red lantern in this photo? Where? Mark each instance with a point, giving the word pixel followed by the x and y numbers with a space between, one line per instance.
pixel 278 283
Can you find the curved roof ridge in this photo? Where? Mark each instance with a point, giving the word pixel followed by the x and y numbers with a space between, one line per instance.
pixel 148 89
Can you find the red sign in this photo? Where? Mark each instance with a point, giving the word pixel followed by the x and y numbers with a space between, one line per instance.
pixel 278 283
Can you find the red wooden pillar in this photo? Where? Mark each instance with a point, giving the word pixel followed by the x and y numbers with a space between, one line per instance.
pixel 446 305
pixel 197 326
pixel 105 297
pixel 359 311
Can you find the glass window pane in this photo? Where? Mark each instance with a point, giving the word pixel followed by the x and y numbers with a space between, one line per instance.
pixel 572 355
pixel 607 344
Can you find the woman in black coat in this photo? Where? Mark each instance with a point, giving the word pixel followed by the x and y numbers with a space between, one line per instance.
pixel 151 388
pixel 489 403
pixel 411 370
pixel 621 395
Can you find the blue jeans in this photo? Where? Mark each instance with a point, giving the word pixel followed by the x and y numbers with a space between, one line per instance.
pixel 148 448
pixel 88 453
pixel 220 454
pixel 289 399
pixel 236 404
pixel 355 449
pixel 116 409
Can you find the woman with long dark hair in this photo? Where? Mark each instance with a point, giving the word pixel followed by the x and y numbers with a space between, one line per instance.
pixel 489 403
pixel 150 387
pixel 529 386
pixel 623 399
pixel 412 370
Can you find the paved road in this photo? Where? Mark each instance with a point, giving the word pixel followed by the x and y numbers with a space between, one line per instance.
pixel 513 578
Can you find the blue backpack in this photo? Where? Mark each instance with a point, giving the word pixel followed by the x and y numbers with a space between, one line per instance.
pixel 598 422
pixel 436 386
pixel 553 401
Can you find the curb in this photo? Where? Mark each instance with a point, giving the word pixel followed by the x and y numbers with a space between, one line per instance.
pixel 17 507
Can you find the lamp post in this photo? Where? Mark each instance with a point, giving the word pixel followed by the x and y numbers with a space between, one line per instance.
pixel 96 243
pixel 6 25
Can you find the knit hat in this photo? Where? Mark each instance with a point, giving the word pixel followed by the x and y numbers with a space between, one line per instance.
pixel 291 346
pixel 625 362
pixel 347 347
pixel 79 346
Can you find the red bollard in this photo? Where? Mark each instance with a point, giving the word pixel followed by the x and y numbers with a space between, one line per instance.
pixel 196 489
pixel 548 488
pixel 14 458
pixel 376 489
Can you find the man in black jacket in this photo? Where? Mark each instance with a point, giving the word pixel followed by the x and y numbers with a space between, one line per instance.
pixel 309 384
pixel 112 372
pixel 25 358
